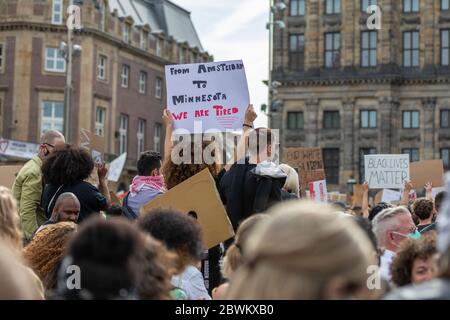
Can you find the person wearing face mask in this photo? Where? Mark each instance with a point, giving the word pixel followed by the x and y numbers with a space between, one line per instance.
pixel 392 226
pixel 424 210
pixel 28 185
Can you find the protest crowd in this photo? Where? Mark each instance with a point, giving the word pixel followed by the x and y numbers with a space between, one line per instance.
pixel 62 237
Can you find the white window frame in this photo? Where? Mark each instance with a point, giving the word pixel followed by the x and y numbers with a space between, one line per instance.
pixel 157 137
pixel 125 76
pixel 158 47
pixel 56 57
pixel 126 32
pixel 100 117
pixel 103 17
pixel 102 62
pixel 158 88
pixel 56 13
pixel 123 134
pixel 56 123
pixel 141 136
pixel 143 40
pixel 143 82
pixel 2 55
pixel 182 55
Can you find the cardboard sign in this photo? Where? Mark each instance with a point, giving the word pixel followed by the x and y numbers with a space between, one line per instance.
pixel 378 197
pixel 427 171
pixel 92 142
pixel 318 191
pixel 18 149
pixel 8 175
pixel 435 191
pixel 308 162
pixel 390 196
pixel 116 167
pixel 213 94
pixel 386 171
pixel 198 195
pixel 357 195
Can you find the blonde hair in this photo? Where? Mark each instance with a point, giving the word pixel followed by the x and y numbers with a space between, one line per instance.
pixel 9 219
pixel 234 255
pixel 299 252
pixel 292 184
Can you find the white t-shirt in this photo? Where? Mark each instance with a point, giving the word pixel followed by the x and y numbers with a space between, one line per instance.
pixel 191 281
pixel 385 264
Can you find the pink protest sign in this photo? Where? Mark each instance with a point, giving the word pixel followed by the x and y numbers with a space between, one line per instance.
pixel 210 95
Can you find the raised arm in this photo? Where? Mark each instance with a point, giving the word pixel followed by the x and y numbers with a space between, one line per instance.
pixel 102 172
pixel 168 144
pixel 405 196
pixel 365 200
pixel 250 116
pixel 429 191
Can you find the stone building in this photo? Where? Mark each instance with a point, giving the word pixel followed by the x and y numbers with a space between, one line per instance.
pixel 118 78
pixel 354 91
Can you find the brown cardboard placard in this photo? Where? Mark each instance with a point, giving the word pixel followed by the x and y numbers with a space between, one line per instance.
pixel 378 197
pixel 308 162
pixel 91 141
pixel 198 194
pixel 8 175
pixel 357 195
pixel 425 171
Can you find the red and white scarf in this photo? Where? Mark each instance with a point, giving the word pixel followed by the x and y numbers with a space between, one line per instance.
pixel 147 182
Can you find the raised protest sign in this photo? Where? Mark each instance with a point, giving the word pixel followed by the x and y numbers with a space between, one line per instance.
pixel 390 196
pixel 309 164
pixel 116 167
pixel 203 202
pixel 18 149
pixel 318 191
pixel 386 171
pixel 214 94
pixel 427 171
pixel 94 143
pixel 358 193
pixel 8 175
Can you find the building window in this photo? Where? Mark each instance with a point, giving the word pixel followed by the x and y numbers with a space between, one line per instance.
pixel 368 119
pixel 123 134
pixel 332 49
pixel 411 50
pixel 297 8
pixel 158 88
pixel 100 116
pixel 52 116
pixel 182 58
pixel 1 56
pixel 143 82
pixel 103 16
pixel 445 47
pixel 411 119
pixel 331 164
pixel 125 76
pixel 331 120
pixel 333 7
pixel 445 156
pixel 362 153
pixel 126 32
pixel 143 40
pixel 369 49
pixel 413 154
pixel 157 137
pixel 366 4
pixel 54 61
pixel 445 5
pixel 158 47
pixel 411 6
pixel 141 136
pixel 445 119
pixel 101 67
pixel 295 120
pixel 57 12
pixel 296 51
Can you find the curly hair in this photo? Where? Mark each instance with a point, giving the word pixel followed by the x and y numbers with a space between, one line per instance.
pixel 407 253
pixel 179 232
pixel 67 165
pixel 158 266
pixel 9 218
pixel 175 174
pixel 423 208
pixel 46 251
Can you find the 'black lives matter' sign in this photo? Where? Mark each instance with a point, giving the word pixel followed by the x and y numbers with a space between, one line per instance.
pixel 384 171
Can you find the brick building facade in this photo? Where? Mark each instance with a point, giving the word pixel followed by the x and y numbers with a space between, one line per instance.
pixel 118 78
pixel 354 91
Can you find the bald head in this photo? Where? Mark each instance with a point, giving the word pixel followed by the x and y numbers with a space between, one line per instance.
pixel 67 208
pixel 51 136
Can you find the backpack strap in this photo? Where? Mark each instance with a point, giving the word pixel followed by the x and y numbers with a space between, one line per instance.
pixel 126 210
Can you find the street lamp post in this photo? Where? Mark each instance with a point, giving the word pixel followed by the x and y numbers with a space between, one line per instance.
pixel 68 88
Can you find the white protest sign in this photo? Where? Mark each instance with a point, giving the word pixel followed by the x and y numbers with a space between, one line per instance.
pixel 318 191
pixel 18 149
pixel 435 191
pixel 386 171
pixel 116 167
pixel 390 196
pixel 213 94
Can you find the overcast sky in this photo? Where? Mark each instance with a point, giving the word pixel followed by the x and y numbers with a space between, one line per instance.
pixel 233 30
